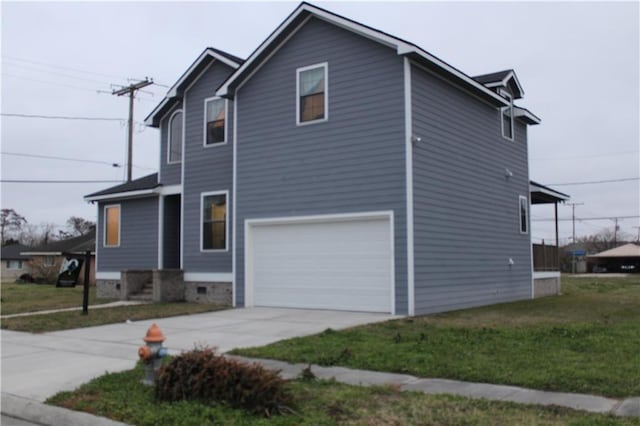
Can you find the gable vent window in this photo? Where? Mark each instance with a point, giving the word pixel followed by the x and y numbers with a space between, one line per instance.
pixel 312 94
pixel 175 138
pixel 215 118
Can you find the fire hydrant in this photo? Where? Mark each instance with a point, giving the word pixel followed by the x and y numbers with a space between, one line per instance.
pixel 152 353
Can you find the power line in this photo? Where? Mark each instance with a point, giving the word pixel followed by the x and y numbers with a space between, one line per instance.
pixel 586 218
pixel 576 157
pixel 48 82
pixel 595 182
pixel 62 117
pixel 11 58
pixel 63 74
pixel 58 181
pixel 80 160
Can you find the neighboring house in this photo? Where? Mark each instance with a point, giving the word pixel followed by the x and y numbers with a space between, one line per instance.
pixel 47 259
pixel 625 259
pixel 338 167
pixel 14 264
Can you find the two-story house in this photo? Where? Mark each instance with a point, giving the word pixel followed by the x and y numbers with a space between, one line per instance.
pixel 338 167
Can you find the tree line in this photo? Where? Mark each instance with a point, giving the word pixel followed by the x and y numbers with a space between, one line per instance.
pixel 16 229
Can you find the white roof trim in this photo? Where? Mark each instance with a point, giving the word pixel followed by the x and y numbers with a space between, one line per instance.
pixel 521 112
pixel 402 48
pixel 503 82
pixel 173 91
pixel 537 188
pixel 128 194
pixel 41 253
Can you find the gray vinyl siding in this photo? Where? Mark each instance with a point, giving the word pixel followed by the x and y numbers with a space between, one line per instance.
pixel 466 215
pixel 207 169
pixel 170 174
pixel 138 236
pixel 354 162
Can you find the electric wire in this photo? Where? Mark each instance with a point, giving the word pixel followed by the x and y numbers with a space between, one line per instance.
pixel 595 182
pixel 62 117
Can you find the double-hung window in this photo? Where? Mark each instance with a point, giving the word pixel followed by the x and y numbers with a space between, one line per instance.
pixel 175 138
pixel 112 226
pixel 214 221
pixel 14 264
pixel 312 90
pixel 215 113
pixel 524 214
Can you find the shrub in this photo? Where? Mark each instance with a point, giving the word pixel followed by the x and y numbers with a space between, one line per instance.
pixel 205 376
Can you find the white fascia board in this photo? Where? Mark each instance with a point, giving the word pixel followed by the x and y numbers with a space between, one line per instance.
pixel 536 188
pixel 107 275
pixel 41 253
pixel 130 194
pixel 451 70
pixel 173 91
pixel 545 274
pixel 169 190
pixel 521 112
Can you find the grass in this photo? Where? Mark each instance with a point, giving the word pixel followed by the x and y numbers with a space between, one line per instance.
pixel 585 341
pixel 75 319
pixel 121 397
pixel 19 298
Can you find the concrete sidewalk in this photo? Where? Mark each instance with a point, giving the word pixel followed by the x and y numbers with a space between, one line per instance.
pixel 91 307
pixel 36 366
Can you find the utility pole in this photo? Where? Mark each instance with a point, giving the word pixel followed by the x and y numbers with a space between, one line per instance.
pixel 573 219
pixel 638 228
pixel 131 90
pixel 615 233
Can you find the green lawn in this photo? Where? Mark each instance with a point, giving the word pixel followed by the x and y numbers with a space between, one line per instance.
pixel 586 341
pixel 122 397
pixel 74 319
pixel 19 298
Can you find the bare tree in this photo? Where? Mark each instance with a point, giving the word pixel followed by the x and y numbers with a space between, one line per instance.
pixel 35 235
pixel 79 226
pixel 603 240
pixel 10 223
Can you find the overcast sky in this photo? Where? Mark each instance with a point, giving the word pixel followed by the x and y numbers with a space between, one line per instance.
pixel 577 62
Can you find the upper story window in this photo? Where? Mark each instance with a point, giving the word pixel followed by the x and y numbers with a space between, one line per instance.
pixel 112 226
pixel 215 112
pixel 312 94
pixel 506 116
pixel 524 214
pixel 214 221
pixel 175 138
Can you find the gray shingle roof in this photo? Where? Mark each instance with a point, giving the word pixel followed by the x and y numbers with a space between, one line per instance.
pixel 145 182
pixel 492 77
pixel 71 245
pixel 13 252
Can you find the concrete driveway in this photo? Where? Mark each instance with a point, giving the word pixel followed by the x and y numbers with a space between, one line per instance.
pixel 37 366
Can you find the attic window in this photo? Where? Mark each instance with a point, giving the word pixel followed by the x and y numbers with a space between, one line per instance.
pixel 175 137
pixel 506 117
pixel 312 94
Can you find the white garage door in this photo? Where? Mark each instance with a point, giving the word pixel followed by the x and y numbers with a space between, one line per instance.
pixel 329 264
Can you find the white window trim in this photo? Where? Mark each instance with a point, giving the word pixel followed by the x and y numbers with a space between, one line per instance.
pixel 178 111
pixel 226 123
pixel 510 107
pixel 526 203
pixel 104 227
pixel 324 65
pixel 226 225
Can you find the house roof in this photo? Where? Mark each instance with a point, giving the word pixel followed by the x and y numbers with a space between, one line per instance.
pixel 174 94
pixel 14 252
pixel 627 250
pixel 137 187
pixel 541 194
pixel 305 10
pixel 502 79
pixel 71 245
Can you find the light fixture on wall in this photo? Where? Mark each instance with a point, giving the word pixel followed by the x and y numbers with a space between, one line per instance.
pixel 508 173
pixel 416 139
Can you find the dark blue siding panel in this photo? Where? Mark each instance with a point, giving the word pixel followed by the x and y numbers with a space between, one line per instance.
pixel 170 174
pixel 354 162
pixel 207 169
pixel 466 223
pixel 138 236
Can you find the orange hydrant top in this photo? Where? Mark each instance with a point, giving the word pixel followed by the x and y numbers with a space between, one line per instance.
pixel 154 334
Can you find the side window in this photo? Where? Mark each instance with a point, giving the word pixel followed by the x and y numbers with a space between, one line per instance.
pixel 112 226
pixel 311 89
pixel 215 112
pixel 524 214
pixel 506 117
pixel 175 138
pixel 214 221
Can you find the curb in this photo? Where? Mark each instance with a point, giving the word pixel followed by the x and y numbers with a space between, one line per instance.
pixel 34 411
